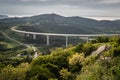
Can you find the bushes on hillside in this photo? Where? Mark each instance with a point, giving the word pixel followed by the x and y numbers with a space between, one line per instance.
pixel 12 73
pixel 3 47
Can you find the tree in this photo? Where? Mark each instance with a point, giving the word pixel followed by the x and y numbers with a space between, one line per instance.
pixel 11 73
pixel 88 48
pixel 66 75
pixel 102 39
pixel 116 51
pixel 3 47
pixel 75 62
pixel 39 73
pixel 78 48
pixel 76 59
pixel 52 68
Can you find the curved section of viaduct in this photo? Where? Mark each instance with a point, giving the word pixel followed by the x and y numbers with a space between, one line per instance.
pixel 64 35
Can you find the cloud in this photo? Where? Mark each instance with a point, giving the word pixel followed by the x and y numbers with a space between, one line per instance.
pixel 33 0
pixel 79 3
pixel 110 1
pixel 63 7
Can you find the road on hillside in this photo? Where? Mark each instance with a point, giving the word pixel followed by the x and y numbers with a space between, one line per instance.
pixel 99 50
pixel 16 41
pixel 56 34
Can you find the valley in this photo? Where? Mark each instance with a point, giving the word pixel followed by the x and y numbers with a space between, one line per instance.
pixel 54 47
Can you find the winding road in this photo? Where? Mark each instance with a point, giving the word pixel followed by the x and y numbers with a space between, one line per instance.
pixel 55 34
pixel 16 41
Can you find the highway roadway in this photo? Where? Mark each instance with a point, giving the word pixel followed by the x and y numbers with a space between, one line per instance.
pixel 64 35
pixel 56 34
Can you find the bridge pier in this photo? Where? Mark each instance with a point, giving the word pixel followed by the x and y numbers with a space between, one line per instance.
pixel 87 39
pixel 66 41
pixel 27 35
pixel 48 40
pixel 34 36
pixel 22 34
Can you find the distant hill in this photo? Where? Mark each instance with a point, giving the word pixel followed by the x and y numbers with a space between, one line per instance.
pixel 54 23
pixel 3 16
pixel 59 24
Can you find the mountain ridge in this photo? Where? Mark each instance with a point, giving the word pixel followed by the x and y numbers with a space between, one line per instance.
pixel 55 23
pixel 4 16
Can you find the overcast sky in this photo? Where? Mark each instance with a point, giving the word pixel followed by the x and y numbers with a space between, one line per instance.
pixel 105 9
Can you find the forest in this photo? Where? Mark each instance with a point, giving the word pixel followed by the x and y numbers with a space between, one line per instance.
pixel 97 60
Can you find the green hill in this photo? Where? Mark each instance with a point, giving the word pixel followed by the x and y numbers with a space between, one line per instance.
pixel 9 50
pixel 54 23
pixel 97 60
pixel 3 16
pixel 59 24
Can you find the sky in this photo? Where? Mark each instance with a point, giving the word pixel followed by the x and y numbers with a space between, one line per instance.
pixel 97 9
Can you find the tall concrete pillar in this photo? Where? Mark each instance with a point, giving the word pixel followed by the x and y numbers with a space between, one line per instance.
pixel 34 36
pixel 47 40
pixel 27 35
pixel 19 33
pixel 66 41
pixel 22 34
pixel 87 39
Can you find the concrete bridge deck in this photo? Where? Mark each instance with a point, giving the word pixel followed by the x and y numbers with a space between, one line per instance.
pixel 64 35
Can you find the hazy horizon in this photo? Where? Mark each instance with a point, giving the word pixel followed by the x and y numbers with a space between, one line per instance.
pixel 84 16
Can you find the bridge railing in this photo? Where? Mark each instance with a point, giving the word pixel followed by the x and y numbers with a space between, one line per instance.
pixel 64 35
